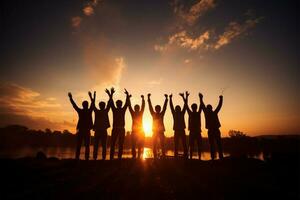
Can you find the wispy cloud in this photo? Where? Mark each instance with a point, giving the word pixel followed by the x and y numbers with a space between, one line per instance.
pixel 87 10
pixel 192 14
pixel 103 64
pixel 234 30
pixel 21 105
pixel 186 37
pixel 184 40
pixel 76 22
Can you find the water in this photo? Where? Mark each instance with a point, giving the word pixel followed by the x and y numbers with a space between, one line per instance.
pixel 67 153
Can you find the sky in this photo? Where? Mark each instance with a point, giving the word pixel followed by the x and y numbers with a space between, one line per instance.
pixel 245 51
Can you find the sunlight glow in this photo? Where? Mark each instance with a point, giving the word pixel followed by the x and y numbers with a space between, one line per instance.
pixel 147 125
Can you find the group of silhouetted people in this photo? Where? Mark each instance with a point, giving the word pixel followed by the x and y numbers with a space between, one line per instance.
pixel 101 124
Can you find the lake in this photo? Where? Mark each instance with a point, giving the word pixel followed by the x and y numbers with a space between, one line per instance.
pixel 68 152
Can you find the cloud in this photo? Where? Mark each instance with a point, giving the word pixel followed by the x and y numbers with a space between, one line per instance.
pixel 21 105
pixel 234 30
pixel 184 40
pixel 192 14
pixel 88 10
pixel 76 22
pixel 103 64
pixel 187 61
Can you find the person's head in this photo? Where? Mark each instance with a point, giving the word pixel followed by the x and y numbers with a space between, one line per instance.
pixel 157 108
pixel 209 107
pixel 85 104
pixel 119 103
pixel 136 108
pixel 177 109
pixel 102 105
pixel 194 107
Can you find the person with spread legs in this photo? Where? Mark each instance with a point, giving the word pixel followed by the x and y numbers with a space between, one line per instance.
pixel 194 126
pixel 101 125
pixel 137 133
pixel 84 124
pixel 213 125
pixel 118 130
pixel 158 127
pixel 178 126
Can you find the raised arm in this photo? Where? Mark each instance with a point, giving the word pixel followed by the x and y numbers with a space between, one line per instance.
pixel 165 105
pixel 202 104
pixel 171 104
pixel 93 99
pixel 73 102
pixel 127 100
pixel 143 104
pixel 111 101
pixel 108 106
pixel 185 100
pixel 150 104
pixel 130 108
pixel 220 104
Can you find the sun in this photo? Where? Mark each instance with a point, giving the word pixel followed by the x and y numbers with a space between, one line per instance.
pixel 147 125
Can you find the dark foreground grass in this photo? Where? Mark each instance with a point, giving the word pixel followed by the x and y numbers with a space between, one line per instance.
pixel 230 178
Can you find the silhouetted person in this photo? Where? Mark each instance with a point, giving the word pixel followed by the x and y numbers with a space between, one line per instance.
pixel 118 131
pixel 158 127
pixel 178 127
pixel 84 124
pixel 194 126
pixel 137 134
pixel 101 125
pixel 213 125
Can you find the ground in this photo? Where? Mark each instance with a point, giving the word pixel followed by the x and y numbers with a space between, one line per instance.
pixel 242 178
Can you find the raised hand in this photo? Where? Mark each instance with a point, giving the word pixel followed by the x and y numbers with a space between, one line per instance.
pixel 94 94
pixel 107 92
pixel 221 96
pixel 200 95
pixel 70 94
pixel 166 96
pixel 112 91
pixel 181 94
pixel 171 95
pixel 149 95
pixel 90 94
pixel 187 93
pixel 142 96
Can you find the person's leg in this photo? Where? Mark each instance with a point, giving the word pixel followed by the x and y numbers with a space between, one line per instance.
pixel 191 144
pixel 199 145
pixel 183 141
pixel 219 143
pixel 87 144
pixel 176 140
pixel 133 144
pixel 96 143
pixel 154 141
pixel 211 144
pixel 103 142
pixel 121 142
pixel 79 139
pixel 162 144
pixel 114 135
pixel 141 146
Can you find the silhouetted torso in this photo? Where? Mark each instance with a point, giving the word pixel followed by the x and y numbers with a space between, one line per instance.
pixel 137 121
pixel 119 117
pixel 179 123
pixel 194 121
pixel 158 122
pixel 101 119
pixel 211 120
pixel 85 121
